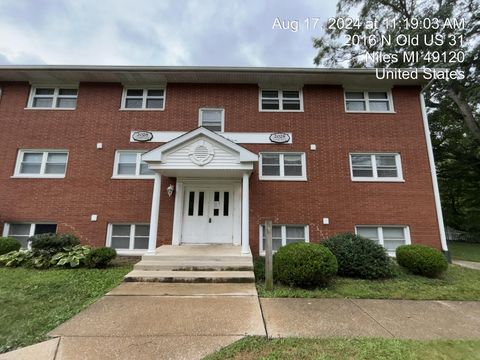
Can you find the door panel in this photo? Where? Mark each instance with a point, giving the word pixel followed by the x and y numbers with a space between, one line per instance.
pixel 208 216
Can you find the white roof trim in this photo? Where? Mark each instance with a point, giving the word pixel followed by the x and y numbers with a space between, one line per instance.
pixel 155 155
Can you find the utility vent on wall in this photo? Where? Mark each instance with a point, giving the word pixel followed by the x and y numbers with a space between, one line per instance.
pixel 201 153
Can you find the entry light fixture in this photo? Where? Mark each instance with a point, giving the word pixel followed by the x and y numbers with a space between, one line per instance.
pixel 170 190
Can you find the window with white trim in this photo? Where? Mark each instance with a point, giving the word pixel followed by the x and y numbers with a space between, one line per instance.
pixel 368 101
pixel 376 167
pixel 282 166
pixel 41 163
pixel 283 235
pixel 128 236
pixel 143 99
pixel 211 119
pixel 281 100
pixel 390 237
pixel 23 231
pixel 129 164
pixel 53 98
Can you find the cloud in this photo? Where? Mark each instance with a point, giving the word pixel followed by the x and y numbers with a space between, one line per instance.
pixel 168 32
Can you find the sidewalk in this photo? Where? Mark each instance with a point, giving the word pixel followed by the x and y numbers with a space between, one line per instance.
pixel 189 321
pixel 403 319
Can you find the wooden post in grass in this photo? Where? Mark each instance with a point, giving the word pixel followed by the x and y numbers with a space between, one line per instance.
pixel 268 256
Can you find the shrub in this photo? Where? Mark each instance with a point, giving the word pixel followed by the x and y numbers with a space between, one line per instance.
pixel 8 244
pixel 304 265
pixel 100 257
pixel 421 260
pixel 53 243
pixel 16 258
pixel 71 257
pixel 360 257
pixel 259 268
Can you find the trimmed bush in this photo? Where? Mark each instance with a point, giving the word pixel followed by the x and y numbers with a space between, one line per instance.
pixel 8 244
pixel 359 257
pixel 53 243
pixel 421 260
pixel 100 257
pixel 304 265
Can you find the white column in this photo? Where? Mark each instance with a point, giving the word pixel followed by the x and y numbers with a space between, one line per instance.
pixel 152 237
pixel 245 214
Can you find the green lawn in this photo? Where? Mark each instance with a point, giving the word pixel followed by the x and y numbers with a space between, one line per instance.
pixel 33 302
pixel 456 284
pixel 341 348
pixel 464 251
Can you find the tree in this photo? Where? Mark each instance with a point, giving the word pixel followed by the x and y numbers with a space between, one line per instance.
pixel 465 94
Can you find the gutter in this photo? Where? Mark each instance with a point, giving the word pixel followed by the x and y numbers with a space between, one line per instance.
pixel 436 191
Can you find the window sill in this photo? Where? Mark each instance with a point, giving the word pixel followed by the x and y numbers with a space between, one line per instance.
pixel 131 252
pixel 370 112
pixel 40 108
pixel 379 180
pixel 276 178
pixel 285 111
pixel 37 177
pixel 133 177
pixel 132 109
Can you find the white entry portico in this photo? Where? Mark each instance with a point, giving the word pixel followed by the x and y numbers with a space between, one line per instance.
pixel 211 191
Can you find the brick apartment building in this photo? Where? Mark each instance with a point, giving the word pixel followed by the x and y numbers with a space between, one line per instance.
pixel 137 157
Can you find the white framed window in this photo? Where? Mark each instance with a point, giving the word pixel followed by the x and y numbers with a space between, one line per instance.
pixel 32 163
pixel 129 165
pixel 368 101
pixel 389 236
pixel 53 97
pixel 128 237
pixel 211 118
pixel 289 166
pixel 280 100
pixel 283 235
pixel 376 167
pixel 22 231
pixel 138 98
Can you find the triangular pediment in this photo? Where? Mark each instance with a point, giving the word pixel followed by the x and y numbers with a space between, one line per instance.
pixel 200 147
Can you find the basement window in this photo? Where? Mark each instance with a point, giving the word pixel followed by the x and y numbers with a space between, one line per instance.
pixel 128 236
pixel 23 231
pixel 283 235
pixel 390 237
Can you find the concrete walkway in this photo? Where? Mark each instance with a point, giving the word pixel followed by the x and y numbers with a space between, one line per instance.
pixel 189 321
pixel 468 264
pixel 155 321
pixel 402 319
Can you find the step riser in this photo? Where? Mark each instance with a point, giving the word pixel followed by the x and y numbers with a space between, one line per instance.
pixel 160 267
pixel 189 280
pixel 221 259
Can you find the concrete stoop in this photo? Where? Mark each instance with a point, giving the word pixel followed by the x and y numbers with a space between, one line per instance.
pixel 194 264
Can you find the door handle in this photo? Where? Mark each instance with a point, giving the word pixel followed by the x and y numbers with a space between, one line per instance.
pixel 209 220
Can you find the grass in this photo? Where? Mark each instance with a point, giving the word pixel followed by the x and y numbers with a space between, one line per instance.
pixel 464 251
pixel 456 284
pixel 33 302
pixel 341 348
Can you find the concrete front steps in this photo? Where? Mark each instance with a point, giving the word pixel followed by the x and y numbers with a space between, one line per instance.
pixel 194 264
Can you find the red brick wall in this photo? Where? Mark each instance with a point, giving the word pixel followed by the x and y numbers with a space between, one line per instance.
pixel 88 188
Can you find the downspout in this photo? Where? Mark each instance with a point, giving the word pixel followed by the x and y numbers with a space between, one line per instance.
pixel 436 192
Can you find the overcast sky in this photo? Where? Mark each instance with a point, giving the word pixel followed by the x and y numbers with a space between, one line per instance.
pixel 158 32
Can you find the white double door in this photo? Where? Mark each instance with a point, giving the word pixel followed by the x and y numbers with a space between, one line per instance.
pixel 208 215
